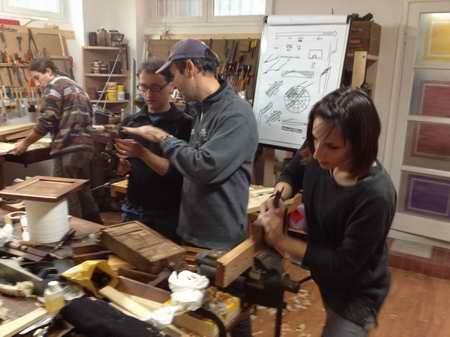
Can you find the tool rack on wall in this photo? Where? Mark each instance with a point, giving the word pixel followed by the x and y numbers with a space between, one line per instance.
pixel 238 55
pixel 18 46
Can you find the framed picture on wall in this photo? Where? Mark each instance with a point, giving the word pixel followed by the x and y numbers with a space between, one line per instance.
pixel 432 139
pixel 428 195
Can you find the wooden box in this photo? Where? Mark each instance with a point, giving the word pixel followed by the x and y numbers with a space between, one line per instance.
pixel 364 36
pixel 141 246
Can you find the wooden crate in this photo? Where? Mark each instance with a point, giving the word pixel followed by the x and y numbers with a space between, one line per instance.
pixel 141 246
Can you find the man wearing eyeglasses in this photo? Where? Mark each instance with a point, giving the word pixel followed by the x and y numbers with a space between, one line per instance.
pixel 154 185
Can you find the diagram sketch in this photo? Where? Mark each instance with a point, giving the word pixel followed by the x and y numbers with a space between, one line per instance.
pixel 273 117
pixel 297 98
pixel 267 110
pixel 299 64
pixel 277 63
pixel 273 89
pixel 291 129
pixel 292 122
pixel 298 73
pixel 315 54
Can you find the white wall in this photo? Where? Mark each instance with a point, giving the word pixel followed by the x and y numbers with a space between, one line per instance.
pixel 388 13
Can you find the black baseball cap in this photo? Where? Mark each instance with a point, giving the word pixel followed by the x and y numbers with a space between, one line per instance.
pixel 187 49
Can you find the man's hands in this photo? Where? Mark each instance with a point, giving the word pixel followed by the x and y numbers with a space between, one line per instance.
pixel 19 148
pixel 129 148
pixel 124 167
pixel 148 132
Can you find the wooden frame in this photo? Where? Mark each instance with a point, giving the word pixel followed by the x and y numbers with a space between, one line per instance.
pixel 422 133
pixel 43 188
pixel 422 194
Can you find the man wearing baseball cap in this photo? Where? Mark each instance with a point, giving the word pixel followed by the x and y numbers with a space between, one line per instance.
pixel 216 163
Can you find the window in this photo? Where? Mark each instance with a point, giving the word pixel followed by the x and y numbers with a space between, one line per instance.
pixel 239 7
pixel 180 8
pixel 210 10
pixel 42 8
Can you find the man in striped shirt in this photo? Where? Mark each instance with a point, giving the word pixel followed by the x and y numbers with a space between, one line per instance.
pixel 66 114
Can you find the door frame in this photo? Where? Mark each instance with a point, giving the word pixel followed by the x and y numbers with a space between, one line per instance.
pixel 397 122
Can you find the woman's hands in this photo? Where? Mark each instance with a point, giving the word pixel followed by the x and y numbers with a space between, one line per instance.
pixel 272 218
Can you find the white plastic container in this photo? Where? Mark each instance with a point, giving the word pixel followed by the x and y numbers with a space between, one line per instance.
pixel 47 221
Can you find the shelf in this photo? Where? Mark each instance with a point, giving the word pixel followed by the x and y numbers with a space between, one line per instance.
pixel 101 48
pixel 426 171
pixel 105 75
pixel 429 119
pixel 14 65
pixel 108 102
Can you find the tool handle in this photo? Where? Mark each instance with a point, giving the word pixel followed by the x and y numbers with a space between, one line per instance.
pixel 276 199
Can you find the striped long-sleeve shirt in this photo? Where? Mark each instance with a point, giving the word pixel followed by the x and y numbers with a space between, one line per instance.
pixel 66 113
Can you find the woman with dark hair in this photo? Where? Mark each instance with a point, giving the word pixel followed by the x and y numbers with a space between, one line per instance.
pixel 66 114
pixel 349 202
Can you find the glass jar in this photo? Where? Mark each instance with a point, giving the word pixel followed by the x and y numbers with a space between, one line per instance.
pixel 53 297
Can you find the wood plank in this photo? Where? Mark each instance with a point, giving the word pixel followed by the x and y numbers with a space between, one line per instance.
pixel 200 326
pixel 140 289
pixel 9 129
pixel 9 329
pixel 124 301
pixel 231 265
pixel 359 69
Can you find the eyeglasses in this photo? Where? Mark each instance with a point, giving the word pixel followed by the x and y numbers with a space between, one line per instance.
pixel 155 88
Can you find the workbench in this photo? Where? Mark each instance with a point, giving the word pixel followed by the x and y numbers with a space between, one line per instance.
pixel 257 194
pixel 19 306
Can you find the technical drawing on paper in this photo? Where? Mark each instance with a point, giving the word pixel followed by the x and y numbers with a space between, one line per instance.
pixel 275 63
pixel 309 74
pixel 298 66
pixel 297 98
pixel 273 89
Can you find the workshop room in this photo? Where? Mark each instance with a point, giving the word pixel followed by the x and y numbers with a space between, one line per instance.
pixel 216 168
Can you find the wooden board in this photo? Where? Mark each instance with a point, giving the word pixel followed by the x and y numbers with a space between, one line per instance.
pixel 141 246
pixel 42 188
pixel 235 262
pixel 11 129
pixel 9 329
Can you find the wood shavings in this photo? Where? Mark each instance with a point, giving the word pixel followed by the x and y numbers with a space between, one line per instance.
pixel 21 289
pixel 3 312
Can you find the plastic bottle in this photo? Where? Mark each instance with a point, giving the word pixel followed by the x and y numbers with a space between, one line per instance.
pixel 53 297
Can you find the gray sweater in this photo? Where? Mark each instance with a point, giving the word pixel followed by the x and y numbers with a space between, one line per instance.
pixel 216 165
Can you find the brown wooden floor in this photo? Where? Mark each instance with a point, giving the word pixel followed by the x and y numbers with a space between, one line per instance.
pixel 417 306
